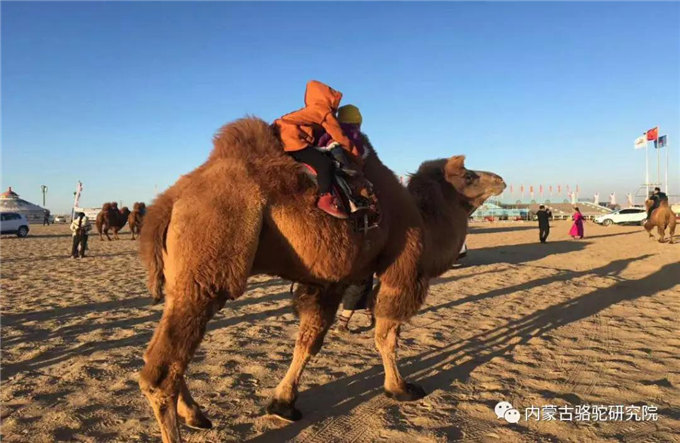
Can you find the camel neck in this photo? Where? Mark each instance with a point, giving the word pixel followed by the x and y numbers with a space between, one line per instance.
pixel 444 213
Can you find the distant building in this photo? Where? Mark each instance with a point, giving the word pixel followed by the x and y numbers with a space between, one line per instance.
pixel 91 213
pixel 10 202
pixel 495 211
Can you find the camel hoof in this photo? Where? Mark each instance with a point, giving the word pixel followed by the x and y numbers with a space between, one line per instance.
pixel 283 410
pixel 412 392
pixel 198 422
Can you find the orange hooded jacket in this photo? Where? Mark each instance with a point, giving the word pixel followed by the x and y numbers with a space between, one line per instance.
pixel 302 128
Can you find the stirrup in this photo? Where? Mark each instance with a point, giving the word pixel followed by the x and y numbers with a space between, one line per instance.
pixel 353 207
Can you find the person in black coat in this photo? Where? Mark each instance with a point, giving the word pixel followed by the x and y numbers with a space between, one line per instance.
pixel 544 215
pixel 657 197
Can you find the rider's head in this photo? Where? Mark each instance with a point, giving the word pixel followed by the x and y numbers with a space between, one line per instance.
pixel 349 114
pixel 657 190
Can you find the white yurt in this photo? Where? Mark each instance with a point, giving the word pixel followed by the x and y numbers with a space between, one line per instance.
pixel 10 202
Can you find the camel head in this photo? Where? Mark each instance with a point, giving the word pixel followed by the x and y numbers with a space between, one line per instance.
pixel 473 186
pixel 125 211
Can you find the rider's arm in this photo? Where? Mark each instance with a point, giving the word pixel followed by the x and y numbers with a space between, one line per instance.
pixel 332 127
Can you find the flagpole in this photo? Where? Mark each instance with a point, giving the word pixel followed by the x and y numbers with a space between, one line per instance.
pixel 667 160
pixel 658 162
pixel 646 168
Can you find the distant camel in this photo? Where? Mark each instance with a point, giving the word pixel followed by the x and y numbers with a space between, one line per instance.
pixel 662 217
pixel 111 218
pixel 249 209
pixel 136 218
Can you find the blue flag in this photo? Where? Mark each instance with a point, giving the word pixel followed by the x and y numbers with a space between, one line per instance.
pixel 662 141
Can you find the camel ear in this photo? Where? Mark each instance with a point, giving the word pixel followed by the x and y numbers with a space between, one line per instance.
pixel 455 166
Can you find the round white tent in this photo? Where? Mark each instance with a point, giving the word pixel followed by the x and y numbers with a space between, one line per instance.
pixel 10 202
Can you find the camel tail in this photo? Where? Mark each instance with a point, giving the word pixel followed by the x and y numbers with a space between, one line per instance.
pixel 152 243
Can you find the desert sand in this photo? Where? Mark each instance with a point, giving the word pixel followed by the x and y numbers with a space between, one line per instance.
pixel 590 322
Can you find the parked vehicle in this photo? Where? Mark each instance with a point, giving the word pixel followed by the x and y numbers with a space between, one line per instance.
pixel 61 219
pixel 13 223
pixel 623 216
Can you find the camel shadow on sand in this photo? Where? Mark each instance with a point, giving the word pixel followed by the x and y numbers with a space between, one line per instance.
pixel 438 368
pixel 527 252
pixel 68 335
pixel 492 230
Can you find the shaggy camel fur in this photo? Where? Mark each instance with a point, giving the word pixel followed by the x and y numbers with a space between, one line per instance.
pixel 136 218
pixel 111 218
pixel 249 209
pixel 662 217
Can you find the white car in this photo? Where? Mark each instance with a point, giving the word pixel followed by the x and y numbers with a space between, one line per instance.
pixel 622 216
pixel 13 223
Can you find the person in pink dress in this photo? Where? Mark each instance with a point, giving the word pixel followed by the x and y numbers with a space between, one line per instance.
pixel 576 230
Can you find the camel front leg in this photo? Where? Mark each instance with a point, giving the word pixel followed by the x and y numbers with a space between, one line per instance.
pixel 386 336
pixel 661 230
pixel 316 308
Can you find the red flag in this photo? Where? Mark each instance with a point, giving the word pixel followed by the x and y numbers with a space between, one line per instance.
pixel 568 189
pixel 531 189
pixel 510 189
pixel 550 189
pixel 577 189
pixel 540 189
pixel 653 133
pixel 521 189
pixel 559 189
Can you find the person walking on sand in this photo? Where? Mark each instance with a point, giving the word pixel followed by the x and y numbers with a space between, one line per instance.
pixel 576 230
pixel 46 217
pixel 543 216
pixel 80 226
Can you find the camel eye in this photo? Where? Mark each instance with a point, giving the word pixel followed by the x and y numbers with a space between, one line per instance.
pixel 469 177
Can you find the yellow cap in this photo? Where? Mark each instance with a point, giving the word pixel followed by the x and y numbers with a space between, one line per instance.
pixel 349 114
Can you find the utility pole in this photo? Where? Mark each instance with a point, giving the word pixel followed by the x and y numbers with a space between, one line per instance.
pixel 43 188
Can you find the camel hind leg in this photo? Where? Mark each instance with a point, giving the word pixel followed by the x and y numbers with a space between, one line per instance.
pixel 316 308
pixel 207 262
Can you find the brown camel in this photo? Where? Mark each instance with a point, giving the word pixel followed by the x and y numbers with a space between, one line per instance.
pixel 111 218
pixel 136 218
pixel 249 209
pixel 662 217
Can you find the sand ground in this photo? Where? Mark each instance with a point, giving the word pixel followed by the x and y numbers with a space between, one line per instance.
pixel 591 322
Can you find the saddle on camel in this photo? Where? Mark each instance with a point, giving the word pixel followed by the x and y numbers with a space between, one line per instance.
pixel 250 210
pixel 332 150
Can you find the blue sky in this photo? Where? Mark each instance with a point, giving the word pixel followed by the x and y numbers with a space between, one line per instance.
pixel 126 96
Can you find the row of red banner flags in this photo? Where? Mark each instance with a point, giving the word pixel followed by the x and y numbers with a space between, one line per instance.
pixel 540 189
